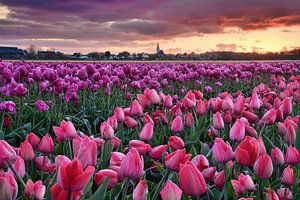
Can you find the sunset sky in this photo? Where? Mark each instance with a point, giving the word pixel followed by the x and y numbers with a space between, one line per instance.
pixel 136 26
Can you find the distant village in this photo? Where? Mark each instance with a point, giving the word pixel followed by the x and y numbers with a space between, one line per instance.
pixel 32 53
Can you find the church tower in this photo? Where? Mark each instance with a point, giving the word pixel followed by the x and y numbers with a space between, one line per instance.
pixel 157 48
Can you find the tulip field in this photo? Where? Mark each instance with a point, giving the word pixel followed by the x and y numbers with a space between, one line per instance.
pixel 150 130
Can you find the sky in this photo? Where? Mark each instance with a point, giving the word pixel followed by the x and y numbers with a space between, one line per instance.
pixel 137 25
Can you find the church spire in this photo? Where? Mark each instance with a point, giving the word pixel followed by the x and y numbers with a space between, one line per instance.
pixel 157 48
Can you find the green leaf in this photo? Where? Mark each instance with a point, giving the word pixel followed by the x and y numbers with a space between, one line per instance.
pixel 115 192
pixel 297 142
pixel 193 151
pixel 100 193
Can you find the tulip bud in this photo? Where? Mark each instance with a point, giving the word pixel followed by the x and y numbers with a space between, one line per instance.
pixel 284 194
pixel 147 132
pixel 218 122
pixel 277 156
pixel 173 160
pixel 132 165
pixel 263 167
pixel 119 114
pixel 8 155
pixel 191 180
pixel 107 132
pixel 35 190
pixel 33 140
pixel 157 152
pixel 101 175
pixel 171 191
pixel 292 156
pixel 287 176
pixel 269 194
pixel 141 146
pixel 176 124
pixel 219 180
pixel 188 120
pixel 246 152
pixel 115 161
pixel 8 186
pixel 140 191
pixel 26 151
pixel 86 151
pixel 46 146
pixel 237 131
pixel 176 142
pixel 222 152
pixel 201 162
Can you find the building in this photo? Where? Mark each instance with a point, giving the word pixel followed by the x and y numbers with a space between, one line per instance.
pixel 11 53
pixel 160 53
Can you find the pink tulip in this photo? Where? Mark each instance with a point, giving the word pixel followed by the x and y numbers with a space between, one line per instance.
pixel 71 176
pixel 218 122
pixel 222 152
pixel 66 131
pixel 8 155
pixel 290 135
pixel 58 193
pixel 59 159
pixel 247 152
pixel 176 142
pixel 136 109
pixel 263 167
pixel 101 175
pixel 167 101
pixel 188 120
pixel 201 108
pixel 107 132
pixel 284 194
pixel 237 131
pixel 176 124
pixel 255 102
pixel 115 161
pixel 140 191
pixel 171 191
pixel 173 160
pixel 86 151
pixel 147 132
pixel 292 156
pixel 130 122
pixel 113 122
pixel 287 176
pixel 219 180
pixel 277 156
pixel 46 145
pixel 191 180
pixel 157 152
pixel 141 146
pixel 26 151
pixel 119 114
pixel 33 140
pixel 201 162
pixel 132 165
pixel 19 166
pixel 8 186
pixel 269 194
pixel 35 190
pixel 287 106
pixel 269 117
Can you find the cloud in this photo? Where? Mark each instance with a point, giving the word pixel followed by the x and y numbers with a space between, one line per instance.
pixel 91 21
pixel 229 47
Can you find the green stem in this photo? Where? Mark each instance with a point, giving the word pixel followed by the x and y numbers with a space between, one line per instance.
pixel 43 168
pixel 124 194
pixel 17 175
pixel 225 186
pixel 258 195
pixel 70 149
